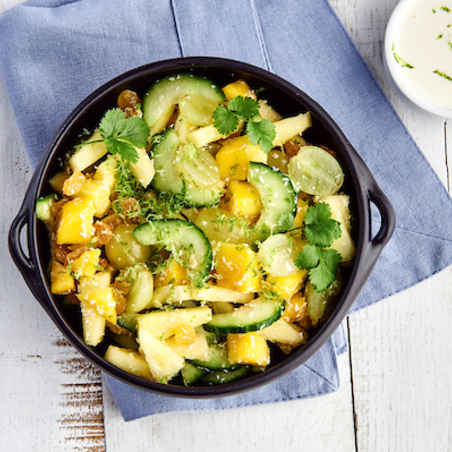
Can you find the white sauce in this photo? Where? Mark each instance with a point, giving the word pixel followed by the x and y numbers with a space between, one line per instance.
pixel 424 41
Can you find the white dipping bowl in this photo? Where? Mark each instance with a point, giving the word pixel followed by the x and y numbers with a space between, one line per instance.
pixel 418 54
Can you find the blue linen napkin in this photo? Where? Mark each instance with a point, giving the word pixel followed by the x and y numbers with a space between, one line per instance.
pixel 55 52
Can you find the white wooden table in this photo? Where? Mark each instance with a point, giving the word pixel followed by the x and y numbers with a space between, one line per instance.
pixel 395 392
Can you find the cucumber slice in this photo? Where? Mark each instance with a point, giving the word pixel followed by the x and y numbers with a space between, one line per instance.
pixel 222 377
pixel 168 178
pixel 278 198
pixel 316 172
pixel 164 94
pixel 217 359
pixel 191 374
pixel 256 315
pixel 128 321
pixel 186 241
pixel 43 206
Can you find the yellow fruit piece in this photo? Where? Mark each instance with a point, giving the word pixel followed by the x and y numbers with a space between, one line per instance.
pixel 57 181
pixel 106 172
pixel 76 223
pixel 242 199
pixel 86 264
pixel 93 324
pixel 238 88
pixel 236 267
pixel 286 286
pixel 248 348
pixel 302 207
pixel 184 334
pixel 295 308
pixel 61 281
pixel 234 156
pixel 173 273
pixel 99 194
pixel 73 184
pixel 103 301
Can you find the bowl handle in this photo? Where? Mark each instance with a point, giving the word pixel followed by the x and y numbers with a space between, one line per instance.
pixel 22 258
pixel 388 219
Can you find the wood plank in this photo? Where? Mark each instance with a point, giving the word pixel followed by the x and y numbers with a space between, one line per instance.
pixel 318 424
pixel 400 348
pixel 51 397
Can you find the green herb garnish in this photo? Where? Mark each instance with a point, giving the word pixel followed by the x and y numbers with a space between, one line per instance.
pixel 320 231
pixel 400 60
pixel 123 135
pixel 226 120
pixel 445 8
pixel 443 75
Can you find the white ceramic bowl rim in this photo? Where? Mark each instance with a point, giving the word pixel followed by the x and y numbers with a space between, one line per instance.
pixel 392 67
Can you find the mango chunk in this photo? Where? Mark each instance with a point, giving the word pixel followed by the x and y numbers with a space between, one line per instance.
pixel 295 309
pixel 236 267
pixel 86 264
pixel 98 193
pixel 173 273
pixel 61 281
pixel 242 199
pixel 238 88
pixel 286 286
pixel 234 156
pixel 248 348
pixel 76 223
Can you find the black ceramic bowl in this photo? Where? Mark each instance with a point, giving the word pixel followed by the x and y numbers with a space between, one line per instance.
pixel 31 251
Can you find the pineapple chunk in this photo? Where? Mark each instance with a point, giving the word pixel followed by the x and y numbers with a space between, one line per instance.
pixel 143 170
pixel 86 264
pixel 289 127
pixel 61 281
pixel 106 172
pixel 89 153
pixel 163 362
pixel 128 360
pixel 99 194
pixel 340 211
pixel 198 349
pixel 242 199
pixel 103 301
pixel 234 156
pixel 267 112
pixel 236 267
pixel 238 88
pixel 248 348
pixel 57 182
pixel 162 324
pixel 76 223
pixel 283 332
pixel 93 324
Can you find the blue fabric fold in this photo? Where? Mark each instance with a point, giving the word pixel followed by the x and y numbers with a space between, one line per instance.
pixel 55 52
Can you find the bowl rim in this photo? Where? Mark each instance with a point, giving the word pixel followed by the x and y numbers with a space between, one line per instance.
pixel 393 70
pixel 368 249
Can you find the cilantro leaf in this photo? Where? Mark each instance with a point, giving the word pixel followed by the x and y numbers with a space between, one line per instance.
pixel 323 265
pixel 122 135
pixel 224 120
pixel 262 133
pixel 123 148
pixel 320 229
pixel 112 123
pixel 244 107
pixel 136 132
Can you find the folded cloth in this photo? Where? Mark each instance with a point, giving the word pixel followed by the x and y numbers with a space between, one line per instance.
pixel 55 52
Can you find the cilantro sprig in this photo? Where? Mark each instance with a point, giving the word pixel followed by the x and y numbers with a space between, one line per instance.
pixel 320 231
pixel 226 120
pixel 123 135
